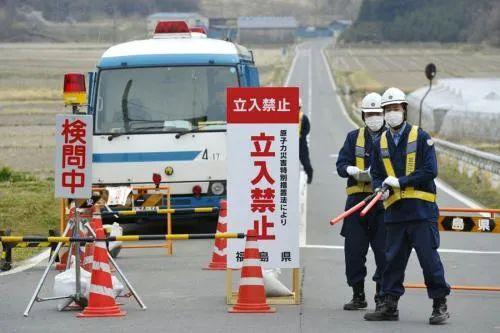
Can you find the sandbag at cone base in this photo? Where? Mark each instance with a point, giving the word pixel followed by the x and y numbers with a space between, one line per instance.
pixel 101 298
pixel 219 255
pixel 251 294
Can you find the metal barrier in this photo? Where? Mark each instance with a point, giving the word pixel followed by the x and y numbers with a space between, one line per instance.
pixel 467 223
pixel 130 238
pixel 156 194
pixel 7 248
pixel 475 220
pixel 160 211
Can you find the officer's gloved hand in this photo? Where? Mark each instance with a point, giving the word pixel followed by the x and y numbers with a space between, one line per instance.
pixel 392 182
pixel 384 195
pixel 309 175
pixel 353 171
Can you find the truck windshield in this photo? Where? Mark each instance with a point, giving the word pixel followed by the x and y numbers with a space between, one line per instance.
pixel 163 99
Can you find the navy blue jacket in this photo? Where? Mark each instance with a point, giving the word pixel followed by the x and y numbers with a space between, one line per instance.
pixel 347 158
pixel 421 179
pixel 303 147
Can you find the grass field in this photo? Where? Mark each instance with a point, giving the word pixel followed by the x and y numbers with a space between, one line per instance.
pixel 27 207
pixel 402 65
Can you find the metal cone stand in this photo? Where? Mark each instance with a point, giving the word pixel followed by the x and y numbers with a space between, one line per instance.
pixel 78 298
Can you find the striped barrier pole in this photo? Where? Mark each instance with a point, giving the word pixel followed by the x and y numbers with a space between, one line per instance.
pixel 131 238
pixel 160 211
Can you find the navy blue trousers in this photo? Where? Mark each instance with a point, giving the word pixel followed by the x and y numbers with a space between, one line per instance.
pixel 360 233
pixel 423 236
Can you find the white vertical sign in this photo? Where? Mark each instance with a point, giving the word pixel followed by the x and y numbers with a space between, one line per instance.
pixel 263 173
pixel 73 169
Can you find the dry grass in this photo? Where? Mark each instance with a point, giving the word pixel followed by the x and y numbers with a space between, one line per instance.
pixel 27 207
pixel 273 64
pixel 402 65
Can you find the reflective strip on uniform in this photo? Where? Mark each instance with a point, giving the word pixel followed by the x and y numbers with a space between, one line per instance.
pixel 361 188
pixel 411 157
pixel 248 281
pixel 360 149
pixel 359 153
pixel 100 290
pixel 251 262
pixel 101 266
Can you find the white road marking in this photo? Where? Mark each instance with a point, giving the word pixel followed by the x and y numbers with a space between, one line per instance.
pixel 292 66
pixel 340 247
pixel 28 263
pixel 334 87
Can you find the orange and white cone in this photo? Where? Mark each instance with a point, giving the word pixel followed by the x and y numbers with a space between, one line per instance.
pixel 101 297
pixel 251 294
pixel 64 252
pixel 219 255
pixel 94 224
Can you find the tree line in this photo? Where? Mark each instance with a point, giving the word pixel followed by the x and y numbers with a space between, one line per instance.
pixel 426 20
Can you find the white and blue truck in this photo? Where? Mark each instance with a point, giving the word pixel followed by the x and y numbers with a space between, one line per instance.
pixel 159 107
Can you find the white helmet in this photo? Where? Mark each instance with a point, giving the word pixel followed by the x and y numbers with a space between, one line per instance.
pixel 393 96
pixel 371 103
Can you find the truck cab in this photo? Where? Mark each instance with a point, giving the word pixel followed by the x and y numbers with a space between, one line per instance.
pixel 159 107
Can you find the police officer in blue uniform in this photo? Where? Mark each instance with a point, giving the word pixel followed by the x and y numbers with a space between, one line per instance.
pixel 404 160
pixel 304 129
pixel 361 232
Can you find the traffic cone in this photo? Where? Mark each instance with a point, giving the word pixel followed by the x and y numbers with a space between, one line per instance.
pixel 96 221
pixel 101 298
pixel 64 252
pixel 94 224
pixel 251 294
pixel 219 255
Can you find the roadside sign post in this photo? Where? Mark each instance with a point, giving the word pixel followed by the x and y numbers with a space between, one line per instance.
pixel 73 180
pixel 263 175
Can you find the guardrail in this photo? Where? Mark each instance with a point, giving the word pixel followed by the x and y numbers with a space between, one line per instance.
pixel 482 160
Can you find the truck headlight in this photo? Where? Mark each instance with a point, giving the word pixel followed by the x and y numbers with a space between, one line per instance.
pixel 217 188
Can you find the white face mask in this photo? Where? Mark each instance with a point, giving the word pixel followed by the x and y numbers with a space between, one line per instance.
pixel 374 123
pixel 394 118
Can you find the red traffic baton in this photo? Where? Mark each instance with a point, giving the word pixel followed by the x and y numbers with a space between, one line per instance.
pixel 372 198
pixel 348 212
pixel 370 205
